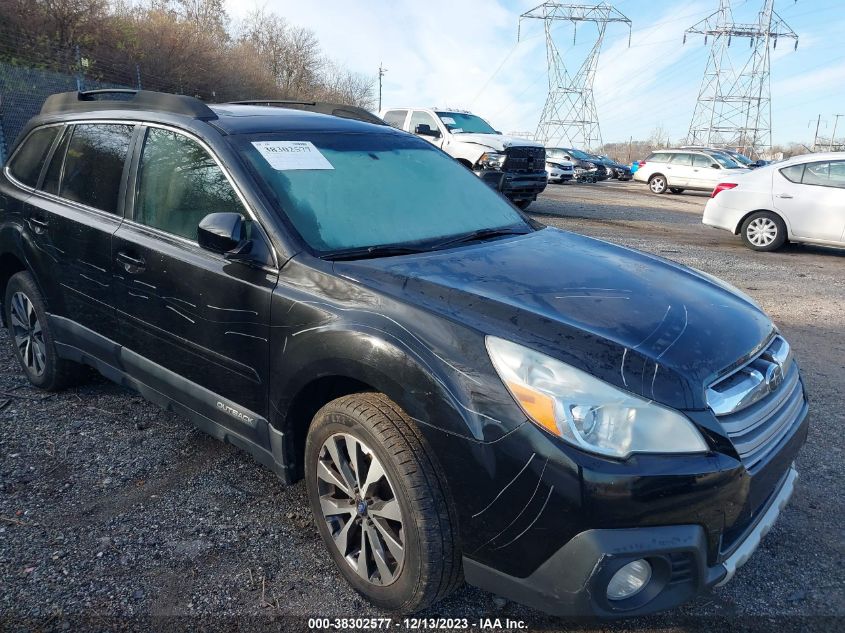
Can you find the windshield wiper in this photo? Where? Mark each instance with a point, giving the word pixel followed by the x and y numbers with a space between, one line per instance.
pixel 481 234
pixel 372 252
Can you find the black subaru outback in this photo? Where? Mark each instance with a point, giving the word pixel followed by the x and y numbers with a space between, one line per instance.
pixel 468 394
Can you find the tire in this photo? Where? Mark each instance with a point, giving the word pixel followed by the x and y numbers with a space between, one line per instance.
pixel 675 190
pixel 523 204
pixel 763 231
pixel 32 338
pixel 374 429
pixel 657 183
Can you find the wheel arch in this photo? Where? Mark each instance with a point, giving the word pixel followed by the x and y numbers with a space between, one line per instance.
pixel 10 264
pixel 348 362
pixel 742 220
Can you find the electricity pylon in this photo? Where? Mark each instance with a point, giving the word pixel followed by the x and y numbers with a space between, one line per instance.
pixel 734 107
pixel 569 117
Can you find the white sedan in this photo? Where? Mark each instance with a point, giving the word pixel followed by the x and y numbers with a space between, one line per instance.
pixel 801 199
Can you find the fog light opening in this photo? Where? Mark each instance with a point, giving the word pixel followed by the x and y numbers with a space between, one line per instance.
pixel 629 580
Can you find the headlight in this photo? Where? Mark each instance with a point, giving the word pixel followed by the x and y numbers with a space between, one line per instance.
pixel 587 412
pixel 492 160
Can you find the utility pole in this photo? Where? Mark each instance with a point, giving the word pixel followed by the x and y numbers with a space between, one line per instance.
pixel 381 71
pixel 816 137
pixel 833 136
pixel 734 106
pixel 569 116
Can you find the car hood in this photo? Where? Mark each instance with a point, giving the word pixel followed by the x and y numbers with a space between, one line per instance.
pixel 498 142
pixel 562 163
pixel 638 321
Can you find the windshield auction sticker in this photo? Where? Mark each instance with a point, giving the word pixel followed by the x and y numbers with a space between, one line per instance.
pixel 291 155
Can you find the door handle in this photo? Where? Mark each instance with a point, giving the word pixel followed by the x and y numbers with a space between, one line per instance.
pixel 131 264
pixel 784 195
pixel 38 225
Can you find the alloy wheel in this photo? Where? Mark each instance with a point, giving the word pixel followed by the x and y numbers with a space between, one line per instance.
pixel 658 185
pixel 360 508
pixel 28 334
pixel 761 231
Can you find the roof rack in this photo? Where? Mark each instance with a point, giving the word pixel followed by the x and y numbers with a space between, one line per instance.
pixel 91 100
pixel 333 109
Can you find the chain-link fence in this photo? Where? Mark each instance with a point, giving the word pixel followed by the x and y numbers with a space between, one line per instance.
pixel 23 90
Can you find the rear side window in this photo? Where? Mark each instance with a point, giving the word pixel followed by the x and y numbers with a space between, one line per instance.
pixel 94 165
pixel 825 174
pixel 27 163
pixel 179 184
pixel 659 157
pixel 681 159
pixel 395 118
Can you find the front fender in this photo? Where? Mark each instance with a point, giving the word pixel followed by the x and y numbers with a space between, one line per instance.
pixel 434 395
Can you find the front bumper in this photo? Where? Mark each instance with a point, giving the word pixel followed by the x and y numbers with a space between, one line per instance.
pixel 515 185
pixel 573 581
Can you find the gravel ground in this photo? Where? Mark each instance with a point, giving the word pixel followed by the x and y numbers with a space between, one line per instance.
pixel 115 515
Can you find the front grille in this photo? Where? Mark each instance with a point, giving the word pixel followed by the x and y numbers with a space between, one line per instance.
pixel 759 403
pixel 525 159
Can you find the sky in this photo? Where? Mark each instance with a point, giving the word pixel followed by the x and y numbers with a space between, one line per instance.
pixel 465 54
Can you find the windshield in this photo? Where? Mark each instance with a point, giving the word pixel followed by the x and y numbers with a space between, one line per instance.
pixel 360 191
pixel 460 122
pixel 741 158
pixel 577 153
pixel 725 161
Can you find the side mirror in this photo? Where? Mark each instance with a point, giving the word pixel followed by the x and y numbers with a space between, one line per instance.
pixel 423 129
pixel 716 166
pixel 761 163
pixel 224 234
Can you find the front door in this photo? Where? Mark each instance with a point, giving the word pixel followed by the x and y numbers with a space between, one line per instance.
pixel 424 119
pixel 812 198
pixel 194 325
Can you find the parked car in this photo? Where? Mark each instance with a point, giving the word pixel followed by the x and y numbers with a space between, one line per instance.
pixel 349 305
pixel 675 170
pixel 514 166
pixel 615 170
pixel 560 170
pixel 801 199
pixel 585 167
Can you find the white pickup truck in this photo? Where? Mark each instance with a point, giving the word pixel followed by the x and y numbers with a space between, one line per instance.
pixel 514 166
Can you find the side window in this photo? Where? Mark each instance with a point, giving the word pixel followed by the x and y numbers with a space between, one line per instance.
pixel 27 163
pixel 659 157
pixel 54 171
pixel 699 160
pixel 94 165
pixel 395 118
pixel 793 173
pixel 422 118
pixel 683 160
pixel 179 184
pixel 826 174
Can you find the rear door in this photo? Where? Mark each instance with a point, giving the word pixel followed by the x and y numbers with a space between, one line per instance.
pixel 812 198
pixel 194 325
pixel 73 216
pixel 679 170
